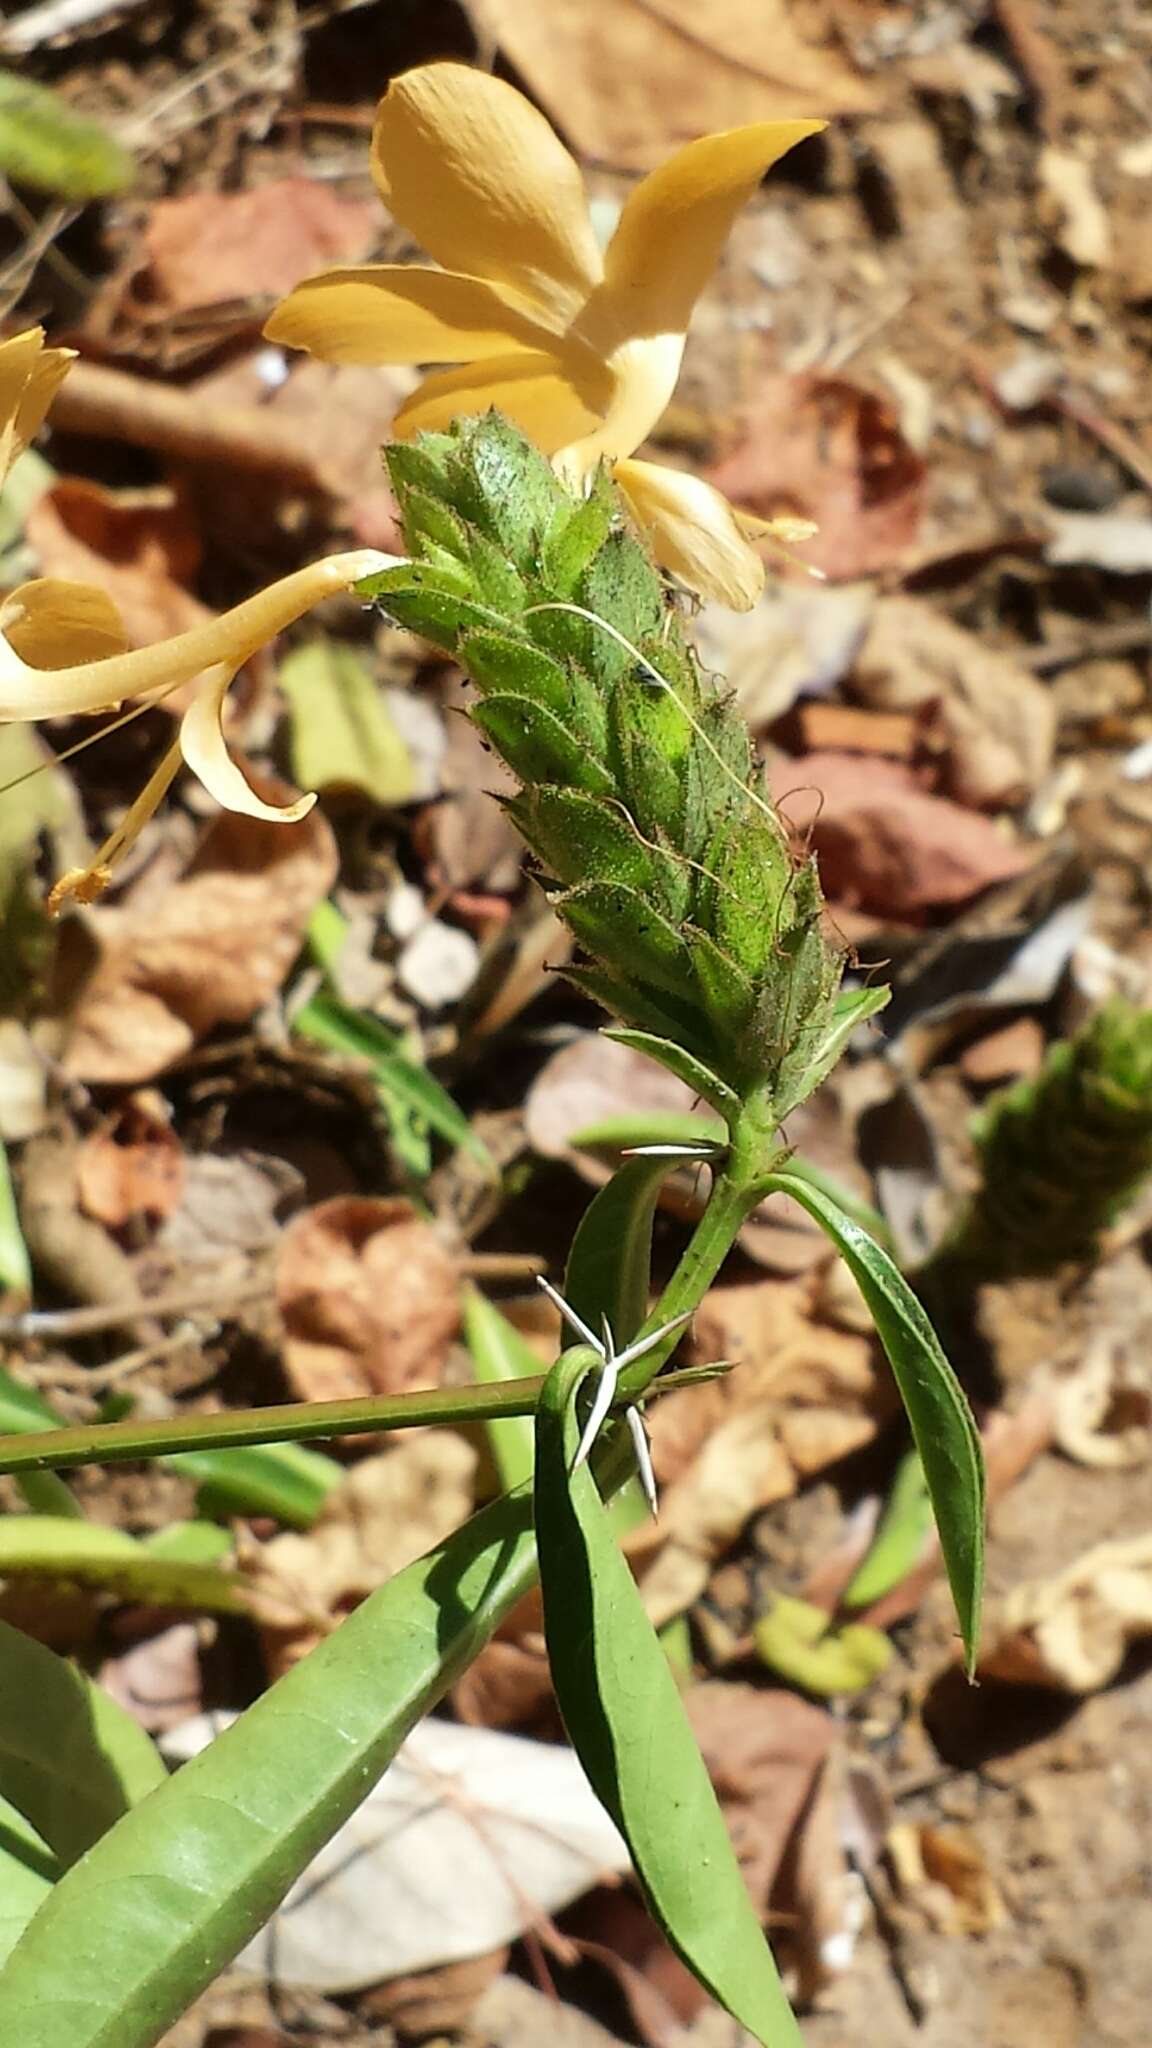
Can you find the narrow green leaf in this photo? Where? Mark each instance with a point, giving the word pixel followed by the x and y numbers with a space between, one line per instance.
pixel 610 1262
pixel 71 1760
pixel 945 1433
pixel 692 1072
pixel 67 1552
pixel 852 1008
pixel 15 1267
pixel 188 1543
pixel 853 1205
pixel 624 1715
pixel 499 1352
pixel 901 1532
pixel 399 1078
pixel 343 735
pixel 283 1480
pixel 137 1929
pixel 28 1871
pixel 22 1408
pixel 650 1127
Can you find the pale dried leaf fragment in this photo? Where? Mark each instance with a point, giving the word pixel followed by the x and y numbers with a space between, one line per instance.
pixel 469 1838
pixel 389 1511
pixel 943 1873
pixel 369 1298
pixel 629 83
pixel 1073 1631
pixel 1101 1417
pixel 1079 221
pixel 997 722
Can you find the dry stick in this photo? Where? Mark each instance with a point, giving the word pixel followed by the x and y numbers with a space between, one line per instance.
pixel 119 407
pixel 59 1323
pixel 37 25
pixel 92 1379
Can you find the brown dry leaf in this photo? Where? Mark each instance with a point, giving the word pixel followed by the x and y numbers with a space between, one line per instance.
pixel 765 1751
pixel 70 1251
pixel 996 722
pixel 942 1872
pixel 439 2001
pixel 209 950
pixel 801 1396
pixel 369 1298
pixel 214 246
pixel 133 1166
pixel 1073 1631
pixel 628 81
pixel 884 845
pixel 798 639
pixel 141 547
pixel 389 1511
pixel 824 449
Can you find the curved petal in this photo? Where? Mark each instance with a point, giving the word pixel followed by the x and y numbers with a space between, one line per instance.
pixel 397 313
pixel 644 375
pixel 30 376
pixel 482 181
pixel 204 748
pixel 52 624
pixel 693 532
pixel 673 227
pixel 533 389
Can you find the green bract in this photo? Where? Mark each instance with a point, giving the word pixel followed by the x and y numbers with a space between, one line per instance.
pixel 640 799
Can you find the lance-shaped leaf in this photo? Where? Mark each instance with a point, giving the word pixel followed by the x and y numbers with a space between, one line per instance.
pixel 138 1928
pixel 945 1433
pixel 626 1721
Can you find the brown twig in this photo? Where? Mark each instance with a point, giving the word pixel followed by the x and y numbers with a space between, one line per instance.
pixel 59 1324
pixel 115 406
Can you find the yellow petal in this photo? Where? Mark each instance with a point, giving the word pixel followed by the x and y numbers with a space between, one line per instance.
pixel 534 390
pixel 693 532
pixel 30 376
pixel 673 227
pixel 478 176
pixel 205 749
pixel 643 378
pixel 52 624
pixel 392 313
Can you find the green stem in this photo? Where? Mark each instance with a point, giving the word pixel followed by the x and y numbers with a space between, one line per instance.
pixel 737 1190
pixel 293 1422
pixel 754 1151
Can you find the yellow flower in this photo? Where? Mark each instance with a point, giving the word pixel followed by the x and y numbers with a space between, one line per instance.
pixel 64 651
pixel 582 350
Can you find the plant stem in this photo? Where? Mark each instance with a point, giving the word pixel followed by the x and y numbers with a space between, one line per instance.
pixel 293 1422
pixel 754 1151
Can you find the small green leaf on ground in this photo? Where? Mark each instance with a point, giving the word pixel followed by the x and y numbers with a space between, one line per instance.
pixel 45 143
pixel 343 735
